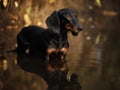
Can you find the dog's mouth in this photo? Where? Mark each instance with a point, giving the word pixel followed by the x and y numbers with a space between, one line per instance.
pixel 69 27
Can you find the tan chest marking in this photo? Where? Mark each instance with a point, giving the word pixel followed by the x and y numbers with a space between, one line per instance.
pixel 54 50
pixel 51 50
pixel 64 50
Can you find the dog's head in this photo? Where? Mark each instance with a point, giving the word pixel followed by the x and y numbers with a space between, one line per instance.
pixel 65 18
pixel 70 20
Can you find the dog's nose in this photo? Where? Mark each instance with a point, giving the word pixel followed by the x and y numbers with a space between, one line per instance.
pixel 80 28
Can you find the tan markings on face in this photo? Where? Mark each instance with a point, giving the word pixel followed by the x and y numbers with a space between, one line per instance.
pixel 70 15
pixel 75 28
pixel 68 27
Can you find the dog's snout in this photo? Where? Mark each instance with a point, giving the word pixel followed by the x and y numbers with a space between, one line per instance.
pixel 80 27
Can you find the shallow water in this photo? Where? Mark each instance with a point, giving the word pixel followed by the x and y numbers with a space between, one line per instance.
pixel 87 66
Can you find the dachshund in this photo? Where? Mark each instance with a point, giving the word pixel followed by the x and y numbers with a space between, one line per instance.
pixel 42 51
pixel 46 43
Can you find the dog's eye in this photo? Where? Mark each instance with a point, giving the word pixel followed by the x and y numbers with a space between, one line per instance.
pixel 69 16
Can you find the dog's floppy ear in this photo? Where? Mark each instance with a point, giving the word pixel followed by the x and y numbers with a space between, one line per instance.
pixel 53 22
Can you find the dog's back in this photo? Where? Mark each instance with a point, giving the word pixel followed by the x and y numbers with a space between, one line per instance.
pixel 32 37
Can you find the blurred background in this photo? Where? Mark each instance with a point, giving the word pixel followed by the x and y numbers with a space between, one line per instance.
pixel 94 54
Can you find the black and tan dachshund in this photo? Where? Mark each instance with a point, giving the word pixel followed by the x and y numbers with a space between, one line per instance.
pixel 37 45
pixel 52 41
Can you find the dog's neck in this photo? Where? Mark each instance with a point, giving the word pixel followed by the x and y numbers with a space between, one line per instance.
pixel 61 33
pixel 60 39
pixel 63 37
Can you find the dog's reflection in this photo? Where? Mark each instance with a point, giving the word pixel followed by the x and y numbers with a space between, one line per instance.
pixel 54 71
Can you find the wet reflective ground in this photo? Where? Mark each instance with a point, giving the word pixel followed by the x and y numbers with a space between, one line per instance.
pixel 85 61
pixel 87 66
